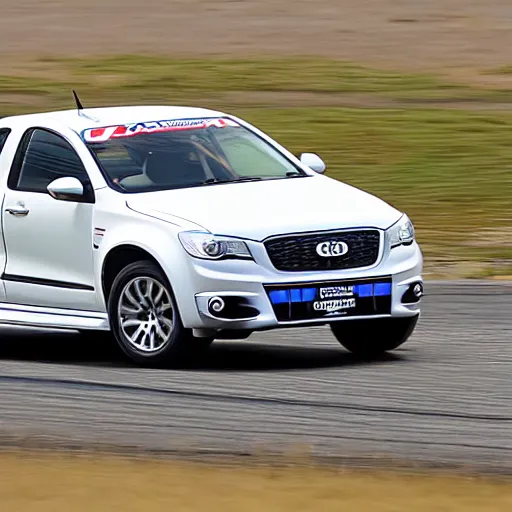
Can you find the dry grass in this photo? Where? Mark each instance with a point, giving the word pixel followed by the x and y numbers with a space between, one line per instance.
pixel 47 483
pixel 459 36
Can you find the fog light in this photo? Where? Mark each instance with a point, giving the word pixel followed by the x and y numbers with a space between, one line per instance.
pixel 216 305
pixel 418 290
pixel 413 293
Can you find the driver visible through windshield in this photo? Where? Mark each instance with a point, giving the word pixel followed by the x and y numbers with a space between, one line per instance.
pixel 173 154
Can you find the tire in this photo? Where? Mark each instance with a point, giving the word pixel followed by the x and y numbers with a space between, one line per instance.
pixel 371 338
pixel 150 332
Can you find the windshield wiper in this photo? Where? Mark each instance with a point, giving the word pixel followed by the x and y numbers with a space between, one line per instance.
pixel 248 178
pixel 295 174
pixel 212 181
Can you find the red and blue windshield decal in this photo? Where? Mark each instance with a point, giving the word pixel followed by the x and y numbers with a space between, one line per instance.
pixel 170 125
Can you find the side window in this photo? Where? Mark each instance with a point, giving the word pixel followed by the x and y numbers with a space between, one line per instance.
pixel 44 157
pixel 4 132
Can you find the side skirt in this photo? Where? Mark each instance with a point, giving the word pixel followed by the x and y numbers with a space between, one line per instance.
pixel 36 316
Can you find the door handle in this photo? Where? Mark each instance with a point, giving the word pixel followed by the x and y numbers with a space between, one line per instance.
pixel 18 212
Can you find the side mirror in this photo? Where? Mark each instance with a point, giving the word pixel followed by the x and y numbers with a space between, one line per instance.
pixel 313 161
pixel 66 189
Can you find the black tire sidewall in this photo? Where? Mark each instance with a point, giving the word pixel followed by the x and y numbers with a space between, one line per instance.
pixel 374 337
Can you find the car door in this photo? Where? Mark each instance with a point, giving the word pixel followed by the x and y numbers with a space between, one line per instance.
pixel 48 241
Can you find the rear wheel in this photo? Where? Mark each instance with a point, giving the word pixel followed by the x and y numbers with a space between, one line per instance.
pixel 145 319
pixel 370 338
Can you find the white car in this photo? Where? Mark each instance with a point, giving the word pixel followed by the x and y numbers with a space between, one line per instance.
pixel 175 226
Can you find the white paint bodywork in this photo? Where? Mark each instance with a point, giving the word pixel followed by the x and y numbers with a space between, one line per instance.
pixel 56 241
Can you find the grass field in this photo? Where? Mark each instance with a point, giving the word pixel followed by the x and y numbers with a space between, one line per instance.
pixel 59 483
pixel 440 151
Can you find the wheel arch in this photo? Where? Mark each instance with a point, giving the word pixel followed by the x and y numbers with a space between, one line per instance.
pixel 119 257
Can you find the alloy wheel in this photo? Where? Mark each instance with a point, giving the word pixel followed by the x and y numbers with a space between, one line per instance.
pixel 146 314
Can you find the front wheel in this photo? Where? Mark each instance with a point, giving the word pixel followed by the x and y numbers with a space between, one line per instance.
pixel 370 338
pixel 145 320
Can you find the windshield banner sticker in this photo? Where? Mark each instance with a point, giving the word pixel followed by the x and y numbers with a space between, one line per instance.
pixel 129 130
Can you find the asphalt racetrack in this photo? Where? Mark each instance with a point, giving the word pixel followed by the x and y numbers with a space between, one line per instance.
pixel 445 397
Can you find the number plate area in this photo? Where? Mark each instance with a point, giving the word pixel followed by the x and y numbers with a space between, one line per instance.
pixel 310 301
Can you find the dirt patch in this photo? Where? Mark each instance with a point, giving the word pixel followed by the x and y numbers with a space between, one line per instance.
pixel 461 34
pixel 297 99
pixel 64 483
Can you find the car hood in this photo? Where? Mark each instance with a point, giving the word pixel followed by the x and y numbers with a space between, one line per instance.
pixel 256 210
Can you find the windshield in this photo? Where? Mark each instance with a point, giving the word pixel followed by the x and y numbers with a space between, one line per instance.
pixel 166 155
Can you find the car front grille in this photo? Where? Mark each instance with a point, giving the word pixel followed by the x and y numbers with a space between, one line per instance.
pixel 298 253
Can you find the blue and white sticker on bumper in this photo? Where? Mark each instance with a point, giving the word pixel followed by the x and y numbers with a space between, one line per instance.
pixel 302 302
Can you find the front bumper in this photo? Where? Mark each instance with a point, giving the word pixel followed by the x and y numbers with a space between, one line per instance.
pixel 245 287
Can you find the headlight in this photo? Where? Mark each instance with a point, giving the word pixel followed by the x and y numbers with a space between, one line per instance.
pixel 207 246
pixel 401 233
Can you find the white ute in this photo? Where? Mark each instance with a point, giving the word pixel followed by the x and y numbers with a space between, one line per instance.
pixel 175 226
